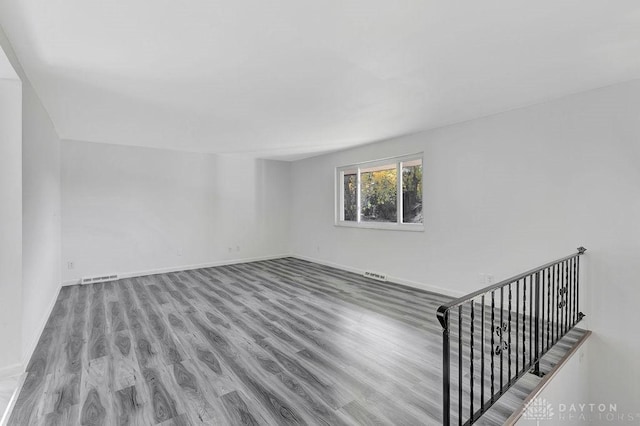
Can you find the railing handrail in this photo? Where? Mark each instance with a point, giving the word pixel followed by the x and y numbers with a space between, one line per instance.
pixel 466 298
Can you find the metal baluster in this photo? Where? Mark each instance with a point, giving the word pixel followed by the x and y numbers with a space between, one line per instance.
pixel 553 305
pixel 471 371
pixel 517 326
pixel 581 250
pixel 460 365
pixel 569 294
pixel 509 339
pixel 575 289
pixel 530 319
pixel 536 333
pixel 571 290
pixel 446 371
pixel 501 339
pixel 566 297
pixel 562 299
pixel 555 297
pixel 524 323
pixel 542 312
pixel 493 346
pixel 482 356
pixel 548 306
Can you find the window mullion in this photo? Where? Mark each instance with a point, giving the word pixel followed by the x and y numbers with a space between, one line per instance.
pixel 399 191
pixel 341 195
pixel 358 195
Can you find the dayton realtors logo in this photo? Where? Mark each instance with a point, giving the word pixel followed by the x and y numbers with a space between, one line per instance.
pixel 595 413
pixel 538 409
pixel 541 410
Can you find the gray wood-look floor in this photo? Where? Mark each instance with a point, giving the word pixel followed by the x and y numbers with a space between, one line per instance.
pixel 266 343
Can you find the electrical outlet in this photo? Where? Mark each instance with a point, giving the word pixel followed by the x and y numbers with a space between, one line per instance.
pixel 179 252
pixel 70 265
pixel 237 248
pixel 230 249
pixel 485 279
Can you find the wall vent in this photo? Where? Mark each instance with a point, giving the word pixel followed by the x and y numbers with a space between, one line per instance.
pixel 99 279
pixel 375 276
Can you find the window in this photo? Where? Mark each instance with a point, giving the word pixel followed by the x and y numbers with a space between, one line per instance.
pixel 384 194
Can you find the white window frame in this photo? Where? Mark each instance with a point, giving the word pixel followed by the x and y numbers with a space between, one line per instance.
pixel 339 196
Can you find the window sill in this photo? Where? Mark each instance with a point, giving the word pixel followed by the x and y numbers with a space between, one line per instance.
pixel 411 227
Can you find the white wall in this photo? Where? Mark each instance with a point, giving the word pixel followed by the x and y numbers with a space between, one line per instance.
pixel 506 193
pixel 131 210
pixel 41 218
pixel 40 212
pixel 10 215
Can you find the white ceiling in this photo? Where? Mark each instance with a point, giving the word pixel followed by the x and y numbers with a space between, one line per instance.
pixel 289 78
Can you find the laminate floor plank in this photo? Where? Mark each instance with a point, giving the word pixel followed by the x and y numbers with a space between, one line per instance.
pixel 97 338
pixel 274 342
pixel 238 413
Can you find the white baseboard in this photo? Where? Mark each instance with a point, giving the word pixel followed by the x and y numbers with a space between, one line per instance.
pixel 12 402
pixel 419 285
pixel 187 267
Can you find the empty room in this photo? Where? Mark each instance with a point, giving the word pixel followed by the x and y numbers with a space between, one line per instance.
pixel 319 213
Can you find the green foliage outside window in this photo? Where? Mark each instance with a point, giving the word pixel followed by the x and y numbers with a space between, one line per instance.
pixel 379 194
pixel 351 197
pixel 412 194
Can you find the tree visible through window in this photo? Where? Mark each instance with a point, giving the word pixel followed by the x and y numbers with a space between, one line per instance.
pixel 379 194
pixel 350 185
pixel 412 191
pixel 382 192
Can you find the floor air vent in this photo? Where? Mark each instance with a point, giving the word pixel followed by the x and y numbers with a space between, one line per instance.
pixel 375 276
pixel 99 279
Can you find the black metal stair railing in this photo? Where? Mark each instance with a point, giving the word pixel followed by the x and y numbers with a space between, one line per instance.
pixel 492 337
